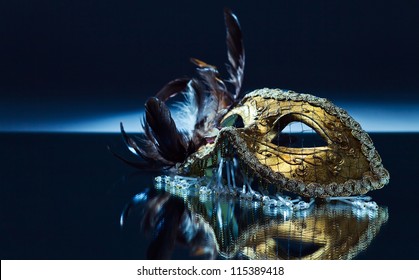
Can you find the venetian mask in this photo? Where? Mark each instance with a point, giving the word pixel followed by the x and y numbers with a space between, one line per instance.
pixel 347 165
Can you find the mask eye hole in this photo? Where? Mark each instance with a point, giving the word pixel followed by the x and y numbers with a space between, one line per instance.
pixel 234 120
pixel 298 135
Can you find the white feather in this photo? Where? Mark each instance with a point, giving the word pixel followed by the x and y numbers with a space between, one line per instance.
pixel 185 113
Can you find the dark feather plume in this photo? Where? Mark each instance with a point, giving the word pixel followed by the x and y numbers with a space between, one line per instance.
pixel 136 164
pixel 148 151
pixel 215 85
pixel 172 88
pixel 199 93
pixel 163 144
pixel 131 144
pixel 236 55
pixel 170 143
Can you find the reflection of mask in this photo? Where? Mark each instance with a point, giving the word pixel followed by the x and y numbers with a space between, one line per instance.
pixel 328 232
pixel 325 231
pixel 347 165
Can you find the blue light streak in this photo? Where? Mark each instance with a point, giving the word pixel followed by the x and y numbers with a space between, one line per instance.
pixel 373 117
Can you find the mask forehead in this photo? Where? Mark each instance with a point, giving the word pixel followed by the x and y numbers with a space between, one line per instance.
pixel 346 164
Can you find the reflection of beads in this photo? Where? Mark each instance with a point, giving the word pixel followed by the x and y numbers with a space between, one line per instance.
pixel 302 205
pixel 204 190
pixel 273 203
pixel 203 187
pixel 360 202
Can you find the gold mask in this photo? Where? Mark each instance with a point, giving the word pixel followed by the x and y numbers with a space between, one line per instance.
pixel 347 165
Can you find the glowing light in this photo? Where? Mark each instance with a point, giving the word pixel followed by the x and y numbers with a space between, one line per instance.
pixel 373 117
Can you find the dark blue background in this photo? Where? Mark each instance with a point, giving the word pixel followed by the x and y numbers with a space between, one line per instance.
pixel 130 48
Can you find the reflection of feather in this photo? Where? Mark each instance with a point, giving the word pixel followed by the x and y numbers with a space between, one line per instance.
pixel 165 221
pixel 170 222
pixel 206 100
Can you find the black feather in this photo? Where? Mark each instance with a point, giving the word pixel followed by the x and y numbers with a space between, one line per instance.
pixel 131 144
pixel 203 64
pixel 172 88
pixel 235 51
pixel 199 93
pixel 170 143
pixel 147 151
pixel 216 87
pixel 136 164
pixel 151 148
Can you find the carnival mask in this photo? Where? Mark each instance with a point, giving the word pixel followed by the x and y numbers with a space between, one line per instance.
pixel 347 165
pixel 231 144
